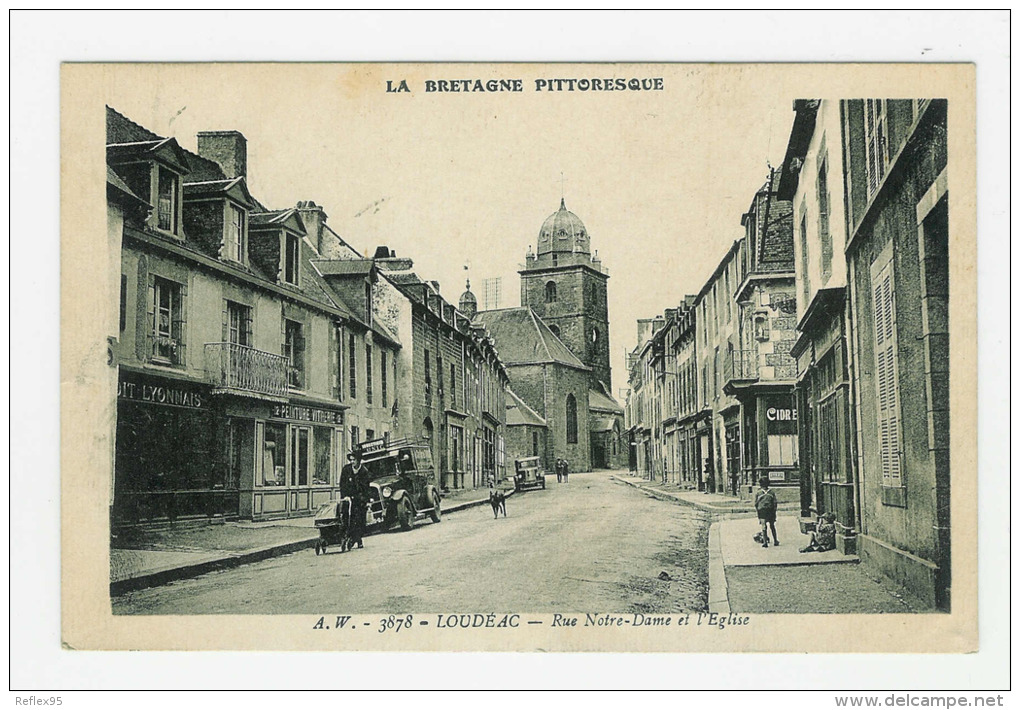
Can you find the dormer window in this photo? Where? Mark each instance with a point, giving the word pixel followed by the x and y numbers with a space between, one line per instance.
pixel 168 185
pixel 291 256
pixel 235 240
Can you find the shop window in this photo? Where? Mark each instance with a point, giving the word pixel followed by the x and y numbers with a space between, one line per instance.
pixel 322 450
pixel 299 447
pixel 241 452
pixel 571 419
pixel 167 189
pixel 782 449
pixel 274 455
pixel 235 240
pixel 167 322
pixel 294 350
pixel 291 258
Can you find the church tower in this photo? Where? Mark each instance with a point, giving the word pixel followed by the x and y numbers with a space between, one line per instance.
pixel 566 286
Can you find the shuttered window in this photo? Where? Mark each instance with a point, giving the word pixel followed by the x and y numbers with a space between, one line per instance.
pixel 887 376
pixel 352 367
pixel 369 388
pixel 294 349
pixel 876 131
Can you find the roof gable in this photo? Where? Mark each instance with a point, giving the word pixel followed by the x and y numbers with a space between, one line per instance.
pixel 279 219
pixel 518 413
pixel 166 151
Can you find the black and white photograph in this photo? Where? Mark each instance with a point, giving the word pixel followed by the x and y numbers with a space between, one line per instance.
pixel 527 371
pixel 366 358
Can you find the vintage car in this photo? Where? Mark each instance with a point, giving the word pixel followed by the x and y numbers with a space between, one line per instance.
pixel 528 473
pixel 403 484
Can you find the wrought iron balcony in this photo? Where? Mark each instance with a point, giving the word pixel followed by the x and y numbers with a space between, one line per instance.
pixel 741 365
pixel 239 367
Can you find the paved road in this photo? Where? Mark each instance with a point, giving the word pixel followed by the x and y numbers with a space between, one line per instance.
pixel 588 545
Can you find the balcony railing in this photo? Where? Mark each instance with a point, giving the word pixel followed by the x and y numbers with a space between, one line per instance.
pixel 741 365
pixel 239 367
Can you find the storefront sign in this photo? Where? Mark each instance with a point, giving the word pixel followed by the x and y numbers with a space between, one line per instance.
pixel 774 414
pixel 306 414
pixel 163 392
pixel 373 446
pixel 777 475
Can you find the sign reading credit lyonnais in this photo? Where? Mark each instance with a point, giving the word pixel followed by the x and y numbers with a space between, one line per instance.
pixel 306 414
pixel 154 391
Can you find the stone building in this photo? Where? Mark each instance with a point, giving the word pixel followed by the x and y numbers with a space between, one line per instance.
pixel 812 182
pixel 897 251
pixel 563 285
pixel 526 431
pixel 229 399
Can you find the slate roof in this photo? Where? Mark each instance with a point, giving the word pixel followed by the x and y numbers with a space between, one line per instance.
pixel 113 180
pixel 518 413
pixel 523 339
pixel 352 267
pixel 602 424
pixel 602 402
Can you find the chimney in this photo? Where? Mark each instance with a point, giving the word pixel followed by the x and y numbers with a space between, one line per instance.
pixel 228 148
pixel 314 218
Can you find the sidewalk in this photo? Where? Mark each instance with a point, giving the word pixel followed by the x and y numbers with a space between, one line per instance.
pixel 709 502
pixel 153 556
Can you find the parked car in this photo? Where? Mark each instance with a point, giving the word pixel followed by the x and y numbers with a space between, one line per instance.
pixel 528 473
pixel 403 484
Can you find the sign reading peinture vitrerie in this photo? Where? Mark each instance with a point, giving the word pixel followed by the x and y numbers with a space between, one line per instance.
pixel 299 413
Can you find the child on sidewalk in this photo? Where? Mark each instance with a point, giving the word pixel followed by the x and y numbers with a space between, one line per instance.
pixel 765 504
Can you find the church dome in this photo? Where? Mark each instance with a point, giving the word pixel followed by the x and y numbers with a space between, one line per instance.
pixel 563 231
pixel 468 303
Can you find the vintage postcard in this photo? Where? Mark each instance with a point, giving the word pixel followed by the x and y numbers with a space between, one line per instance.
pixel 519 357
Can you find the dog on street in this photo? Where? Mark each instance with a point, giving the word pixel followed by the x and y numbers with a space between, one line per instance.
pixel 497 499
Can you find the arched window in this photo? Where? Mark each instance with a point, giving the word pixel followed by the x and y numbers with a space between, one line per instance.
pixel 571 419
pixel 550 292
pixel 555 329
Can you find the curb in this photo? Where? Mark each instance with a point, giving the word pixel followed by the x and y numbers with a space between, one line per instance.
pixel 718 594
pixel 707 507
pixel 159 577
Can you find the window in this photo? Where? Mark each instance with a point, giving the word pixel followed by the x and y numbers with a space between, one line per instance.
pixel 167 321
pixel 782 449
pixel 887 372
pixel 340 363
pixel 238 324
pixel 823 219
pixel 274 455
pixel 550 292
pixel 299 437
pixel 453 384
pixel 456 448
pixel 355 437
pixel 384 378
pixel 369 389
pixel 439 373
pixel 352 369
pixel 291 255
pixel 428 380
pixel 571 419
pixel 876 142
pixel 534 443
pixel 166 200
pixel 235 243
pixel 762 328
pixel 123 302
pixel 322 456
pixel 294 350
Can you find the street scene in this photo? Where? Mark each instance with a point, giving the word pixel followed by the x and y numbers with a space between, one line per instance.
pixel 293 399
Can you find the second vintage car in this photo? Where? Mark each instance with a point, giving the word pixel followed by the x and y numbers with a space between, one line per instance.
pixel 528 473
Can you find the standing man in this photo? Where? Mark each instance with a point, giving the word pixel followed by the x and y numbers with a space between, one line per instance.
pixel 354 485
pixel 566 470
pixel 765 503
pixel 559 470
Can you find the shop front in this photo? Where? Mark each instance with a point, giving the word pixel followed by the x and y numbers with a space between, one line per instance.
pixel 770 446
pixel 298 451
pixel 166 454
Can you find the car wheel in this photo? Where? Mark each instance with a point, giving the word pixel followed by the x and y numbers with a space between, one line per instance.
pixel 318 548
pixel 437 513
pixel 405 516
pixel 543 484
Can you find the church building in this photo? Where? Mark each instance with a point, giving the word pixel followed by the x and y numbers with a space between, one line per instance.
pixel 561 333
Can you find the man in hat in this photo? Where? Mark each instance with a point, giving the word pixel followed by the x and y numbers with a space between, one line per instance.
pixel 354 485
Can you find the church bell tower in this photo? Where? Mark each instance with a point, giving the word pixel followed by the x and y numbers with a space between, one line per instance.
pixel 566 286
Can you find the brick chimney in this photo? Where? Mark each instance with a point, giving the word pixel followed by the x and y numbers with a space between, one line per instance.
pixel 314 218
pixel 228 148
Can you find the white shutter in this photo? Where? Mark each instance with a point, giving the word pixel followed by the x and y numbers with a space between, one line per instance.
pixel 886 378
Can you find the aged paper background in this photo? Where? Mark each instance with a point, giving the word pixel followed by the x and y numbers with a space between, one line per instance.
pixel 87 621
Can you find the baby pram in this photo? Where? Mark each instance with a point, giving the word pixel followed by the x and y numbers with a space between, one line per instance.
pixel 333 521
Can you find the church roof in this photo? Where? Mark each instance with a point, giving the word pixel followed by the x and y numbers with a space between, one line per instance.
pixel 518 413
pixel 563 231
pixel 601 424
pixel 600 401
pixel 523 339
